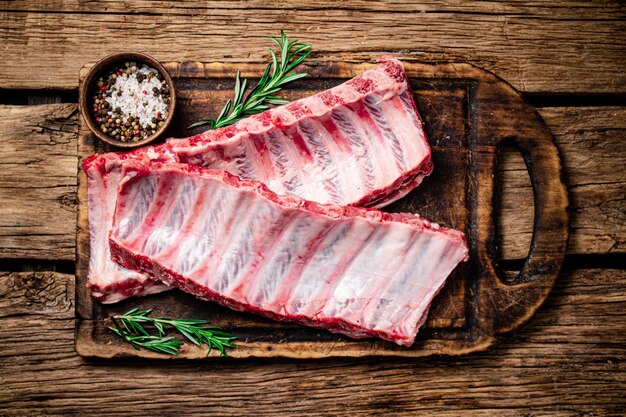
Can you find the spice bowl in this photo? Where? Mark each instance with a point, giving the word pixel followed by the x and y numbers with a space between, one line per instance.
pixel 128 99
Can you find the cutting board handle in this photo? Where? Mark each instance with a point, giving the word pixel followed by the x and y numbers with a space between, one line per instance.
pixel 550 228
pixel 551 222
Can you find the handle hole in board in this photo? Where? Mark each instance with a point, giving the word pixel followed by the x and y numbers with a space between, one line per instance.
pixel 514 210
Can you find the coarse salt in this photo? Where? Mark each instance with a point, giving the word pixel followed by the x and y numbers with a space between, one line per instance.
pixel 137 98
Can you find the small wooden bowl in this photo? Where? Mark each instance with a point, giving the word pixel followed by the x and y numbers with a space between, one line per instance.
pixel 103 66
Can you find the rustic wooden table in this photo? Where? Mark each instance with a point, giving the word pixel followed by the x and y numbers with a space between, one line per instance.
pixel 569 60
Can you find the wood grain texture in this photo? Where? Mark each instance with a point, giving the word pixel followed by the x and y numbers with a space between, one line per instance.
pixel 37 294
pixel 38 181
pixel 538 46
pixel 592 142
pixel 569 360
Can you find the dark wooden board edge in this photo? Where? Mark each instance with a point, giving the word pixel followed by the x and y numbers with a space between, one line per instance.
pixel 88 347
pixel 84 301
pixel 485 331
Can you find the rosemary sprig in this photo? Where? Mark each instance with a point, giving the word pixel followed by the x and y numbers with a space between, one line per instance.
pixel 129 326
pixel 278 73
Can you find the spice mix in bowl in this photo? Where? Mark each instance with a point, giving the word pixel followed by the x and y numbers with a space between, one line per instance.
pixel 128 99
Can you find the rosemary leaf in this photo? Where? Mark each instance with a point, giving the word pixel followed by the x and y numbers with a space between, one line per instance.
pixel 277 73
pixel 129 327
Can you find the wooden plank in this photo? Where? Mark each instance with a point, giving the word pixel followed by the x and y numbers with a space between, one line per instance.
pixel 38 181
pixel 570 9
pixel 567 361
pixel 537 46
pixel 47 295
pixel 592 142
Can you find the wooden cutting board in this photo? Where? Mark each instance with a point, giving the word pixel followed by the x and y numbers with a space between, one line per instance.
pixel 467 113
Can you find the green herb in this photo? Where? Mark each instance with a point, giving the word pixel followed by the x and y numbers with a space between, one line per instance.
pixel 277 74
pixel 129 326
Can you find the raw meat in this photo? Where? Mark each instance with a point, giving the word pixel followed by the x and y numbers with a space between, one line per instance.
pixel 109 282
pixel 360 143
pixel 355 271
